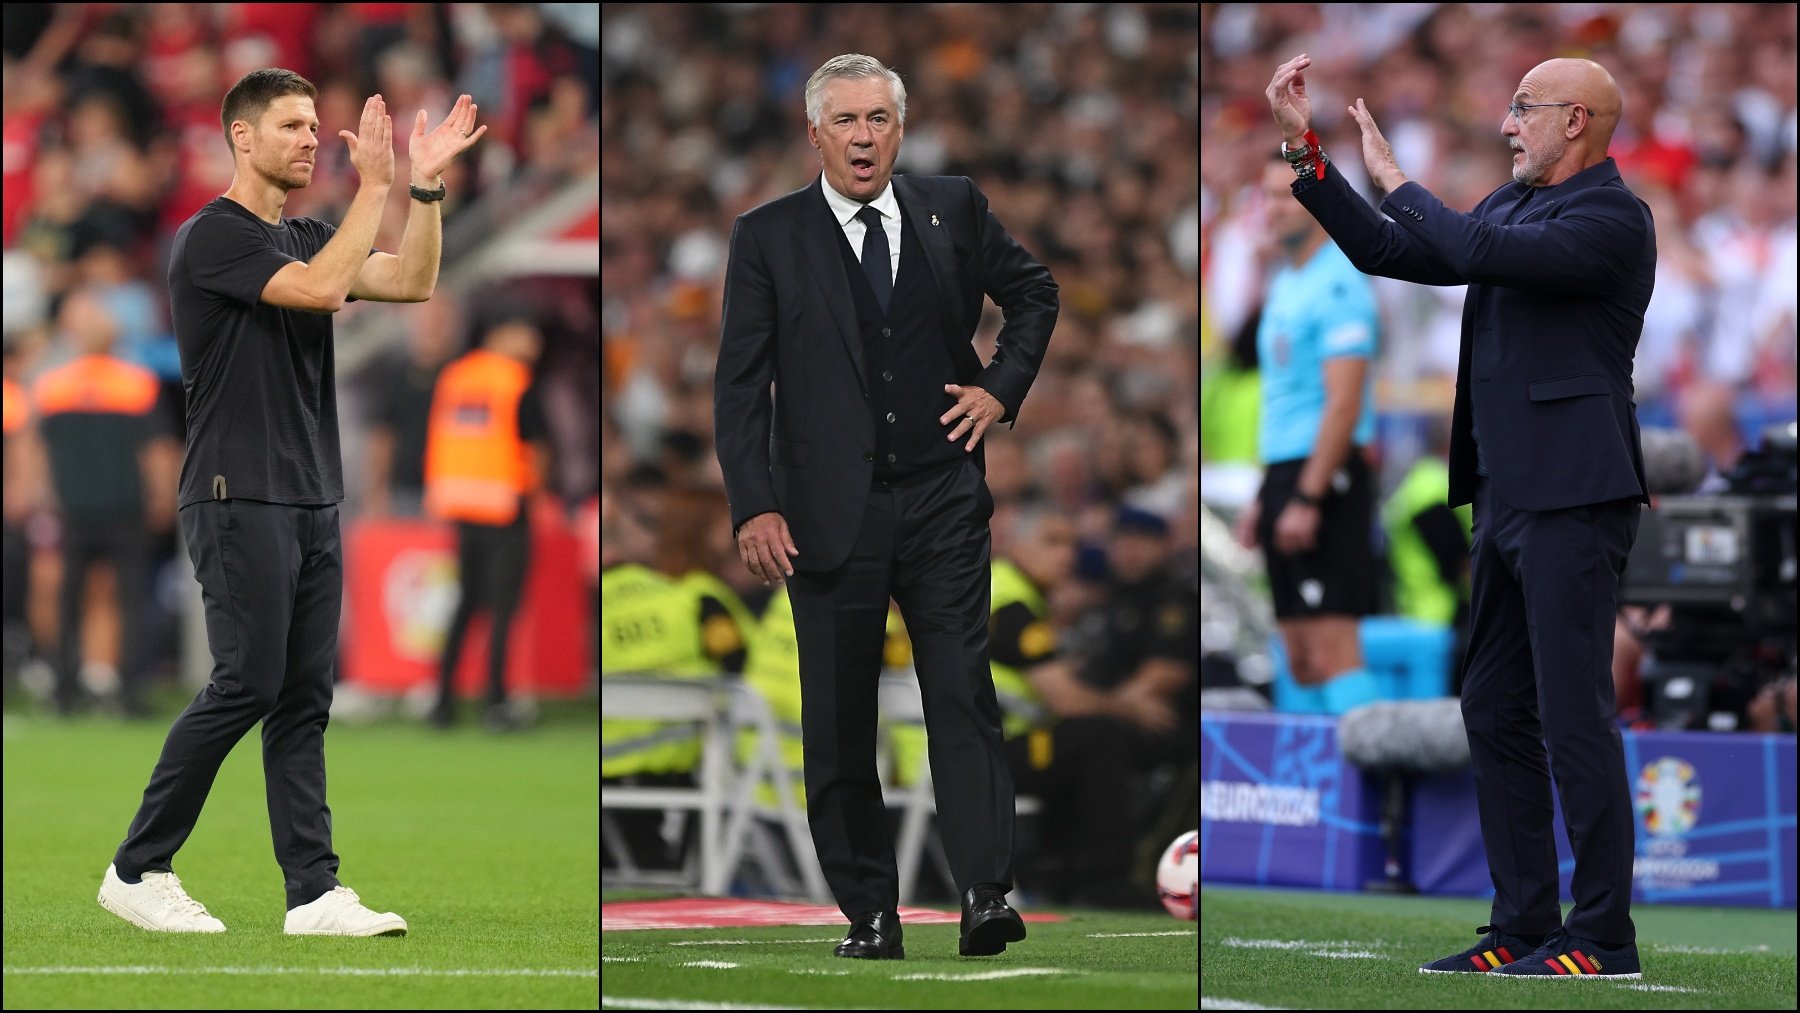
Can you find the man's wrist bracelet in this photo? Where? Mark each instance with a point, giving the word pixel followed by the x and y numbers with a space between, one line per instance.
pixel 1309 161
pixel 1309 169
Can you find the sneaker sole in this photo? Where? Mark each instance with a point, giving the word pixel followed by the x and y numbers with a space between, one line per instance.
pixel 384 929
pixel 1580 977
pixel 134 918
pixel 1432 970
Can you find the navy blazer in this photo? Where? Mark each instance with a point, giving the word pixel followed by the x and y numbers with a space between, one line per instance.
pixel 789 317
pixel 1550 325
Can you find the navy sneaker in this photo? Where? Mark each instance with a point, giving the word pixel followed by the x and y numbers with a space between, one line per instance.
pixel 1496 949
pixel 1564 956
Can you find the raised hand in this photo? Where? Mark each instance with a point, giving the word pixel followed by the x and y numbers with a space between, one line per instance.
pixel 432 153
pixel 1288 101
pixel 372 146
pixel 1378 154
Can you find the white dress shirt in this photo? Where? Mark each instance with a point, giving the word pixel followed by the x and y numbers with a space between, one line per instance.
pixel 844 210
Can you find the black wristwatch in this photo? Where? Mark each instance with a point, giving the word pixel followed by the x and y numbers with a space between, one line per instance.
pixel 419 193
pixel 1300 497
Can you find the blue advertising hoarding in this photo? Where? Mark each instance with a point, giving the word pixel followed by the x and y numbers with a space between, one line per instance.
pixel 1715 815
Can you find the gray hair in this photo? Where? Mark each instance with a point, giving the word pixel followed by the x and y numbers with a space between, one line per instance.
pixel 851 67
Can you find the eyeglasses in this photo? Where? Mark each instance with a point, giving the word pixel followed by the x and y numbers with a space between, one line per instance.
pixel 1517 110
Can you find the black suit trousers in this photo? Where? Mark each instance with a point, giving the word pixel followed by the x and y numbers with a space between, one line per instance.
pixel 1539 673
pixel 924 541
pixel 272 582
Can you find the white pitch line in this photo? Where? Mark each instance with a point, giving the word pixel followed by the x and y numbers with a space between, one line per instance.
pixel 626 1002
pixel 1709 950
pixel 1659 988
pixel 621 960
pixel 1292 944
pixel 633 1002
pixel 981 976
pixel 717 965
pixel 1139 935
pixel 1208 1002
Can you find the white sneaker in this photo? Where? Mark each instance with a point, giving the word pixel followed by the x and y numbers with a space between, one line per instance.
pixel 341 913
pixel 157 904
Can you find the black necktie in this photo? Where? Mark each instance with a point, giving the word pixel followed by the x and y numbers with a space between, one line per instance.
pixel 875 263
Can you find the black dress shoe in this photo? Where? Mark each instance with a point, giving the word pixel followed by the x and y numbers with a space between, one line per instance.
pixel 874 935
pixel 988 924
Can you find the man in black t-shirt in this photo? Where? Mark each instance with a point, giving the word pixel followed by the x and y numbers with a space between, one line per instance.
pixel 252 293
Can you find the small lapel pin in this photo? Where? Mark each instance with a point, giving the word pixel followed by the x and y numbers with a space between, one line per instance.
pixel 934 220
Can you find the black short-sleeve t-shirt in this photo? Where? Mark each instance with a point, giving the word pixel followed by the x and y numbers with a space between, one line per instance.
pixel 260 380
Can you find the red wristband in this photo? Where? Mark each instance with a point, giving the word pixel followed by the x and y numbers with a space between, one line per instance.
pixel 1318 153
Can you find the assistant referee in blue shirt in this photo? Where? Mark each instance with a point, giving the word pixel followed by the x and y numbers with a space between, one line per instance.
pixel 1315 512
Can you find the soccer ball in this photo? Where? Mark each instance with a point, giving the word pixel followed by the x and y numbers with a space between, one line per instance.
pixel 1178 877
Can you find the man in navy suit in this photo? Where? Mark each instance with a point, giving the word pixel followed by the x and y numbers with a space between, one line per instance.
pixel 858 296
pixel 1559 265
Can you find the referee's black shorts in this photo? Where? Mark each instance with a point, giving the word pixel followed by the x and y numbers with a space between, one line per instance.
pixel 1337 576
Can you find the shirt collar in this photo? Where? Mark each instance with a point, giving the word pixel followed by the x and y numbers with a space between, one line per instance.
pixel 1593 175
pixel 844 209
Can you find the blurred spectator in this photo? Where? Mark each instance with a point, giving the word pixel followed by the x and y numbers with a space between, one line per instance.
pixel 485 458
pixel 1428 545
pixel 16 482
pixel 401 383
pixel 97 417
pixel 694 544
pixel 1708 416
pixel 1128 700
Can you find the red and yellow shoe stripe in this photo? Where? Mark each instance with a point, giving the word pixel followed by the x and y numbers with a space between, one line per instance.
pixel 1488 961
pixel 1574 962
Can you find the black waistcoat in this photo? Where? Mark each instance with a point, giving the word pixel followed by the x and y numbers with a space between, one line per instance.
pixel 908 364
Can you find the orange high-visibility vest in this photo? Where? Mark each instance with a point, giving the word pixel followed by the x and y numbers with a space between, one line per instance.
pixel 476 467
pixel 96 384
pixel 15 407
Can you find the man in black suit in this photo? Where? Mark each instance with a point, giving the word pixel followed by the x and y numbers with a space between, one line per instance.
pixel 1559 264
pixel 859 296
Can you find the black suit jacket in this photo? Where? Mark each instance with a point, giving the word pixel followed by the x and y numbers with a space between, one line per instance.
pixel 789 317
pixel 1555 308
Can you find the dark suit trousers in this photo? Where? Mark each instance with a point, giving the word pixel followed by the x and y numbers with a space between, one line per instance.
pixel 924 541
pixel 1539 673
pixel 272 581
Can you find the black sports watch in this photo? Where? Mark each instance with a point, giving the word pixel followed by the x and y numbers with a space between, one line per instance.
pixel 1301 497
pixel 419 193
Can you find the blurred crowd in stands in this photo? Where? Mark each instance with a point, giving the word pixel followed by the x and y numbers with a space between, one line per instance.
pixel 113 138
pixel 1078 123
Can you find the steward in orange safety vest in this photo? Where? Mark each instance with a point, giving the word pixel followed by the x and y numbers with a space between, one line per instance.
pixel 477 468
pixel 481 447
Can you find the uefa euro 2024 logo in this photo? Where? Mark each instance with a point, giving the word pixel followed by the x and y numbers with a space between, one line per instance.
pixel 1668 797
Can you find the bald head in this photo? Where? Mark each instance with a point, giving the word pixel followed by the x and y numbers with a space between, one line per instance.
pixel 1558 140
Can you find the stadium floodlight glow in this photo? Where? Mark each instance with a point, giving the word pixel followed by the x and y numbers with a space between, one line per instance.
pixel 1178 877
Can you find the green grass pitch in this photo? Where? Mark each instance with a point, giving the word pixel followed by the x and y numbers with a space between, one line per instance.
pixel 488 846
pixel 1092 960
pixel 1263 951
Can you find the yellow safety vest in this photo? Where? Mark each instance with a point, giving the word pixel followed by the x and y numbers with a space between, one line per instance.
pixel 720 635
pixel 649 625
pixel 1419 590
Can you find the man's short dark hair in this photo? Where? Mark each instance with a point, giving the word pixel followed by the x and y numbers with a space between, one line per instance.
pixel 255 92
